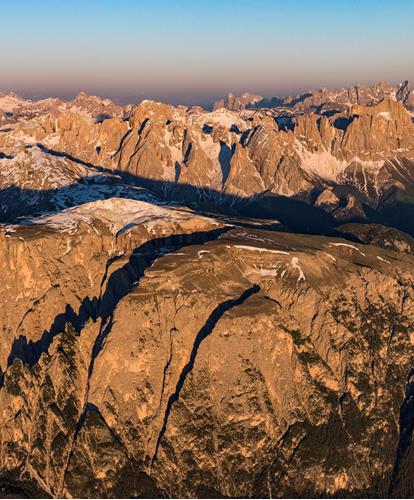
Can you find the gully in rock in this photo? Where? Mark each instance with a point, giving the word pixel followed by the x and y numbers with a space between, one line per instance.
pixel 204 332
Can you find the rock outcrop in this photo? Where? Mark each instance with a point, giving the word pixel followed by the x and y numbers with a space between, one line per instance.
pixel 237 103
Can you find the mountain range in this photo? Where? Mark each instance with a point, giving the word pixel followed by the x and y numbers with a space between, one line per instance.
pixel 208 303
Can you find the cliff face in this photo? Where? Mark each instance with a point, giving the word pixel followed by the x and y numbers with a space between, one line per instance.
pixel 169 354
pixel 153 349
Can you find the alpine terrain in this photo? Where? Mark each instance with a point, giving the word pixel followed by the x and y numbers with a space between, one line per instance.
pixel 208 303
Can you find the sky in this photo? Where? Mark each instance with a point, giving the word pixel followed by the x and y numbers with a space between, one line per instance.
pixel 192 52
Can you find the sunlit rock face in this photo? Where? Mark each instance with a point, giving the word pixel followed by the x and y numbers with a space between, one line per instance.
pixel 206 303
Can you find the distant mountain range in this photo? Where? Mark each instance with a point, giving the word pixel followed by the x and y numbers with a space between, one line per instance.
pixel 365 95
pixel 348 153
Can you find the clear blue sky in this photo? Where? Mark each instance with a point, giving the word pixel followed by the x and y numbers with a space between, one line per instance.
pixel 192 51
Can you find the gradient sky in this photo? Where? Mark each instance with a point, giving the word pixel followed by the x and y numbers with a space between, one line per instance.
pixel 194 51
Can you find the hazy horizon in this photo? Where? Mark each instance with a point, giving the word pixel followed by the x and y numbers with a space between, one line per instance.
pixel 201 100
pixel 195 53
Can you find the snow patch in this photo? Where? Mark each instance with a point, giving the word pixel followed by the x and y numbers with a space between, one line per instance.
pixel 261 249
pixel 296 265
pixel 347 245
pixel 267 272
pixel 383 260
pixel 119 214
pixel 201 253
pixel 327 166
pixel 386 115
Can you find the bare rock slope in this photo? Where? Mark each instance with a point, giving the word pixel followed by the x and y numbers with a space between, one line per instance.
pixel 152 351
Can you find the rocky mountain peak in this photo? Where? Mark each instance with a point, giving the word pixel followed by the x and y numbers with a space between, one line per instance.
pixel 81 96
pixel 235 103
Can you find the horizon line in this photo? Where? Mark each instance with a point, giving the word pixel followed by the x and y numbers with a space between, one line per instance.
pixel 174 100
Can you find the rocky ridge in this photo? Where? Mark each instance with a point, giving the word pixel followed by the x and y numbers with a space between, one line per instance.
pixel 360 159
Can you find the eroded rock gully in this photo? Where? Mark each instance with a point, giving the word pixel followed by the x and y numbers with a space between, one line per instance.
pixel 171 355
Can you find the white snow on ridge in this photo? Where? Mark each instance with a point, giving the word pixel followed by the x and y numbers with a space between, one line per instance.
pixel 261 249
pixel 294 263
pixel 9 102
pixel 119 214
pixel 383 260
pixel 210 148
pixel 347 245
pixel 201 253
pixel 33 169
pixel 323 164
pixel 267 272
pixel 223 117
